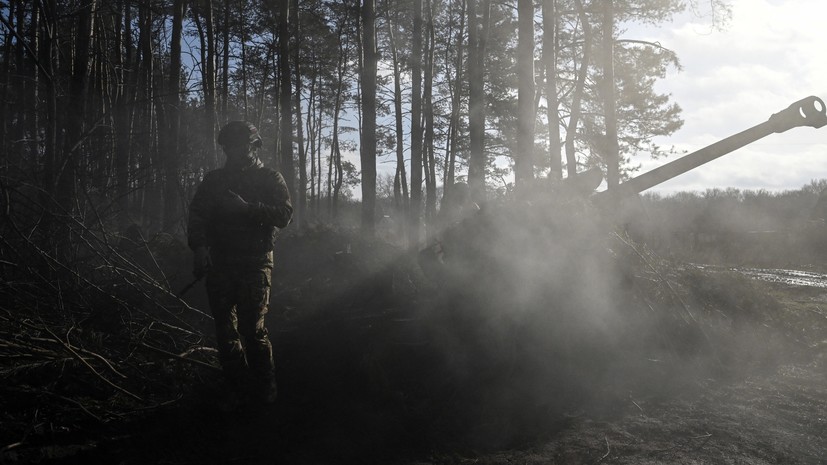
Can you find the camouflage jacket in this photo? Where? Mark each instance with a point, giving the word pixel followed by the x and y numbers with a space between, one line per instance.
pixel 239 236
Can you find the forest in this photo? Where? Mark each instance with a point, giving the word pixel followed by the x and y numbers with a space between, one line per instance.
pixel 543 326
pixel 115 106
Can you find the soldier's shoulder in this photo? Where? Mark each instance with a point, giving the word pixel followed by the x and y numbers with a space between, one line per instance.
pixel 271 174
pixel 269 171
pixel 217 173
pixel 212 179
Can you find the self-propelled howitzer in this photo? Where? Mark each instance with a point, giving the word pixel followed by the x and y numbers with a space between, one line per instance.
pixel 809 111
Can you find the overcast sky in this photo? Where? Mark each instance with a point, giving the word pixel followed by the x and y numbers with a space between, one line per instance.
pixel 772 53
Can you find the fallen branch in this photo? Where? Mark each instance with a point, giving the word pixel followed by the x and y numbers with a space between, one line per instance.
pixel 179 357
pixel 90 367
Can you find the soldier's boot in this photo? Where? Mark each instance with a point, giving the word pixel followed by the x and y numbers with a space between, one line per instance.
pixel 236 373
pixel 268 391
pixel 264 389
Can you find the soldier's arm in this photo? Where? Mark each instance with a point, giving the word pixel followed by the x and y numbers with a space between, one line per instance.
pixel 200 208
pixel 276 210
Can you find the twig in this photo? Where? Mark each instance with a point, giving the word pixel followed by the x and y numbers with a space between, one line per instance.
pixel 73 401
pixel 672 291
pixel 59 264
pixel 102 360
pixel 660 277
pixel 817 312
pixel 608 449
pixel 11 446
pixel 80 349
pixel 90 367
pixel 159 405
pixel 638 406
pixel 198 349
pixel 178 357
pixel 155 262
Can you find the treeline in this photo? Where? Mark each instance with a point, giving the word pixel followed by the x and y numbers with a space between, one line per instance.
pixel 110 109
pixel 733 226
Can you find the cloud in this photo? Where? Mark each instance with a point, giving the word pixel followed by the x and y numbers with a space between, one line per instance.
pixel 770 56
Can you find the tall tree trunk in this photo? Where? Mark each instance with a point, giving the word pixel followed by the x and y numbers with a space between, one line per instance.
pixel 243 43
pixel 524 159
pixel 31 110
pixel 286 114
pixel 301 210
pixel 152 195
pixel 609 106
pixel 277 105
pixel 456 103
pixel 319 172
pixel 331 204
pixel 476 98
pixel 69 174
pixel 334 185
pixel 400 181
pixel 311 140
pixel 225 63
pixel 415 207
pixel 206 37
pixel 209 100
pixel 172 156
pixel 368 142
pixel 124 102
pixel 550 21
pixel 6 81
pixel 49 56
pixel 429 159
pixel 577 94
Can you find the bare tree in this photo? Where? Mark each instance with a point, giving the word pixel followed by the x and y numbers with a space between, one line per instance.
pixel 206 34
pixel 415 208
pixel 172 156
pixel 477 37
pixel 550 22
pixel 429 161
pixel 610 113
pixel 301 191
pixel 400 181
pixel 456 103
pixel 286 164
pixel 524 159
pixel 579 89
pixel 368 141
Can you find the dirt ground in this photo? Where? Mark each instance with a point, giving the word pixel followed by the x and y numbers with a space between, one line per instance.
pixel 770 418
pixel 774 415
pixel 366 384
pixel 773 412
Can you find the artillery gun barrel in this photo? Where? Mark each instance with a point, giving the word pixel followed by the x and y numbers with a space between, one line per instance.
pixel 809 111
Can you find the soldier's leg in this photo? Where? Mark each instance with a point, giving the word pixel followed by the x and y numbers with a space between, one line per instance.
pixel 254 297
pixel 222 293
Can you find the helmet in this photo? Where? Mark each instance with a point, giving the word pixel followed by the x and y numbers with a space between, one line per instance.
pixel 236 132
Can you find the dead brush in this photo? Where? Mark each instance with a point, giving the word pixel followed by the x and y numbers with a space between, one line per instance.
pixel 78 326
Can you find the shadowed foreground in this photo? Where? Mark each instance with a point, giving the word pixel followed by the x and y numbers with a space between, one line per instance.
pixel 527 350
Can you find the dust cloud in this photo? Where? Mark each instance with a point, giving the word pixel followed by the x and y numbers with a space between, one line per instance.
pixel 519 317
pixel 546 305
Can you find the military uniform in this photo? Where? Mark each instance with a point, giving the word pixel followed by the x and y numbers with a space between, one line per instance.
pixel 239 234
